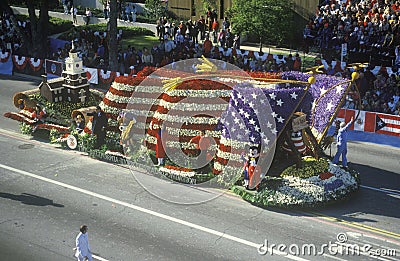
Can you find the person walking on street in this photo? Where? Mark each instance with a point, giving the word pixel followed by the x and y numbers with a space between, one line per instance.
pixel 83 251
pixel 341 143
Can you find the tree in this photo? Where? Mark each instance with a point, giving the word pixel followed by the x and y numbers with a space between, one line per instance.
pixel 208 4
pixel 112 33
pixel 34 43
pixel 266 19
pixel 155 8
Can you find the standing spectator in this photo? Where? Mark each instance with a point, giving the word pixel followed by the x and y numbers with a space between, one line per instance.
pixel 225 24
pixel 88 14
pixel 341 143
pixel 297 63
pixel 207 45
pixel 128 13
pixel 215 28
pixel 100 51
pixel 147 57
pixel 236 42
pixel 201 24
pixel 74 12
pixel 157 55
pixel 209 19
pixel 229 38
pixel 289 62
pixel 105 9
pixel 83 251
pixel 98 125
pixel 65 5
pixel 169 46
pixel 308 38
pixel 221 38
pixel 133 12
pixel 391 105
pixel 194 32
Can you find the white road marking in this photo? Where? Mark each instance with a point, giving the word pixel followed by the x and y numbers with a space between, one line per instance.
pixel 153 213
pixel 380 190
pixel 99 258
pixel 333 257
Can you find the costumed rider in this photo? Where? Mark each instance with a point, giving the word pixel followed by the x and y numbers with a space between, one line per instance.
pixel 38 116
pixel 21 104
pixel 161 136
pixel 252 172
pixel 80 123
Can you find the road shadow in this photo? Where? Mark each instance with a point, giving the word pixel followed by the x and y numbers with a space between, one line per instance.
pixel 29 199
pixel 367 201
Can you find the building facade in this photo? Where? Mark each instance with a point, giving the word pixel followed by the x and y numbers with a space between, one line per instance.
pixel 194 8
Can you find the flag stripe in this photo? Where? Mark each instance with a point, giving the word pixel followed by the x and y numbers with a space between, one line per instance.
pixel 350 114
pixel 393 122
pixel 388 117
pixel 370 119
pixel 396 132
pixel 394 126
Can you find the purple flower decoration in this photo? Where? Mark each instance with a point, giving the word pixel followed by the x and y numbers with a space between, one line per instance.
pixel 326 101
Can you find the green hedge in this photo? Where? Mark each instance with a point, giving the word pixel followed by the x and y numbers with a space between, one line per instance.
pixel 127 31
pixel 56 25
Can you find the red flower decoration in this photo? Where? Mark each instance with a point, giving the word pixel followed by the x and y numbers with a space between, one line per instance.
pixel 325 175
pixel 178 168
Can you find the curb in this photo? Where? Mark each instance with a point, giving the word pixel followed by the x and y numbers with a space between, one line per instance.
pixel 27 76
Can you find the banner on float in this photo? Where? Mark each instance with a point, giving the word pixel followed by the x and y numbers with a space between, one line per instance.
pixel 53 69
pixel 371 122
pixel 6 65
pixel 92 75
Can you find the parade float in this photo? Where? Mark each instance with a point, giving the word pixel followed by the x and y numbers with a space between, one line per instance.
pixel 267 129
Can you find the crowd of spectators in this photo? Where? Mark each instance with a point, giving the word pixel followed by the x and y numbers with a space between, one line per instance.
pixel 9 39
pixel 190 39
pixel 378 93
pixel 371 28
pixel 367 26
pixel 194 38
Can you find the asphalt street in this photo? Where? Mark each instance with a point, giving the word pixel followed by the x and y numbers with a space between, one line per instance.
pixel 46 193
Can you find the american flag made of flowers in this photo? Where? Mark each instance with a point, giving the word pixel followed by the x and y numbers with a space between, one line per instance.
pixel 327 93
pixel 256 115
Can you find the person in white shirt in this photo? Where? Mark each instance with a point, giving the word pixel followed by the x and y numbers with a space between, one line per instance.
pixel 74 12
pixel 83 251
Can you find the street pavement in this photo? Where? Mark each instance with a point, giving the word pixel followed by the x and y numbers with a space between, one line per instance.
pixel 46 193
